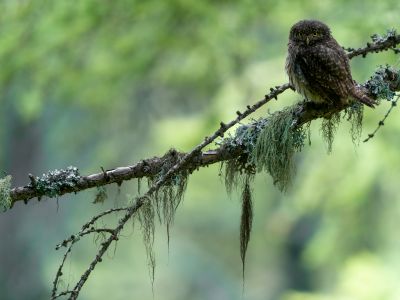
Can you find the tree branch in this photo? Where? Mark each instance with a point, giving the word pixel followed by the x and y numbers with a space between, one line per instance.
pixel 148 167
pixel 152 166
pixel 379 43
pixel 188 162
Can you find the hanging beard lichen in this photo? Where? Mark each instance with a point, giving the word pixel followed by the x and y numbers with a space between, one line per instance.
pixel 246 220
pixel 162 204
pixel 329 126
pixel 101 195
pixel 237 171
pixel 145 217
pixel 167 199
pixel 276 145
pixel 354 115
pixel 268 144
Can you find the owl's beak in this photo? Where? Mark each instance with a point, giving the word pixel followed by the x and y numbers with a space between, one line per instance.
pixel 307 40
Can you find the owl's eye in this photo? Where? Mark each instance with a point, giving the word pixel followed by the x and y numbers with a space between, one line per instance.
pixel 315 34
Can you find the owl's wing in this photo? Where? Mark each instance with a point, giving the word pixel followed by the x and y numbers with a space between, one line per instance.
pixel 326 70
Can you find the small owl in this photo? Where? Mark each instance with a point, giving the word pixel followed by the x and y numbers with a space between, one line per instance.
pixel 318 67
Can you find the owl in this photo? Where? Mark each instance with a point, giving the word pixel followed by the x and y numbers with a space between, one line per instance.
pixel 318 68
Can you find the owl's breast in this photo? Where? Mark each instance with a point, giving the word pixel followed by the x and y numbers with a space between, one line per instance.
pixel 299 81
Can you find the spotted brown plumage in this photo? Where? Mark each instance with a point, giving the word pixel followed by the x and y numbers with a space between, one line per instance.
pixel 318 67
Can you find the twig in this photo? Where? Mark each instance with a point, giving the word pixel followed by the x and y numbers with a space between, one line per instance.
pixel 379 44
pixel 382 122
pixel 86 229
pixel 59 274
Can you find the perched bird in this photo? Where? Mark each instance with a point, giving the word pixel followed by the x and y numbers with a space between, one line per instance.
pixel 318 67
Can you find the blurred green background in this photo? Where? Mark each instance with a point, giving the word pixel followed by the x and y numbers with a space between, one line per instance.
pixel 105 83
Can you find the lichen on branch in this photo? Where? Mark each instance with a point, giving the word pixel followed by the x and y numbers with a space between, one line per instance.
pixel 52 183
pixel 5 188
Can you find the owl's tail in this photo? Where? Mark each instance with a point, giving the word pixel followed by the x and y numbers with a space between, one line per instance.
pixel 359 94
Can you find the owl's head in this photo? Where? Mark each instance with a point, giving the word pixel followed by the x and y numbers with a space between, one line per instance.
pixel 309 32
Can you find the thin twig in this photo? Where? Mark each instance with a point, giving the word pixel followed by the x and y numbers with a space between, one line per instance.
pixel 384 44
pixel 382 122
pixel 59 274
pixel 86 230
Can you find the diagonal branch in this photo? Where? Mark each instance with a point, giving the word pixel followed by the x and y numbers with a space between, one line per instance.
pixel 140 201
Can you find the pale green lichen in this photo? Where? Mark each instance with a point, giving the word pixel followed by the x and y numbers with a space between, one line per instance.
pixel 168 197
pixel 329 127
pixel 162 205
pixel 268 144
pixel 246 221
pixel 101 195
pixel 276 145
pixel 146 217
pixel 52 183
pixel 390 34
pixel 378 86
pixel 236 171
pixel 5 189
pixel 354 114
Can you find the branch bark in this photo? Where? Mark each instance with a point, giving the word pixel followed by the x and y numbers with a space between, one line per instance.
pixel 152 166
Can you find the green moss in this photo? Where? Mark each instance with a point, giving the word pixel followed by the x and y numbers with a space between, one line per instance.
pixel 5 188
